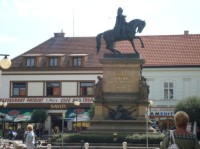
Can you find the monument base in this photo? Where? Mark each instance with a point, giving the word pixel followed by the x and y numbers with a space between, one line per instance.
pixel 119 126
pixel 120 107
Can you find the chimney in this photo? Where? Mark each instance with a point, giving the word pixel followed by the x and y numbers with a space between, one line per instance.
pixel 186 32
pixel 59 35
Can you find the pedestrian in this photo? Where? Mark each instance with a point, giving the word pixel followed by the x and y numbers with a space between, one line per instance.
pixel 24 136
pixel 10 134
pixel 183 138
pixel 30 138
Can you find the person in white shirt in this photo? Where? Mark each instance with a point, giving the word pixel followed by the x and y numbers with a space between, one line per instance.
pixel 30 138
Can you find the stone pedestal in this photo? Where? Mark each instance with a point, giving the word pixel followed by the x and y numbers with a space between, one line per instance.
pixel 120 107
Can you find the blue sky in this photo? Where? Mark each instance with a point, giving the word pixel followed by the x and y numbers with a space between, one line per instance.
pixel 26 23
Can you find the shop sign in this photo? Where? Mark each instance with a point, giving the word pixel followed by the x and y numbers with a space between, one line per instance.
pixel 47 100
pixel 58 106
pixel 162 111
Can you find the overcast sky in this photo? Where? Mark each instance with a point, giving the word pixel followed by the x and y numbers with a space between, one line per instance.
pixel 26 23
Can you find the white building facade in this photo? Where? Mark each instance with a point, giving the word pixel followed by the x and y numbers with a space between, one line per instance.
pixel 168 86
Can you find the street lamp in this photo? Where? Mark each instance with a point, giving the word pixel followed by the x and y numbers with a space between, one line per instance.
pixel 76 103
pixel 2 116
pixel 4 104
pixel 5 63
pixel 150 104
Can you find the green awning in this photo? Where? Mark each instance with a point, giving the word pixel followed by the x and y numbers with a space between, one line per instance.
pixel 82 114
pixel 16 115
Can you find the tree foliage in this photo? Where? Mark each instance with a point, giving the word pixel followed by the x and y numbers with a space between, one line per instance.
pixel 39 115
pixel 92 111
pixel 191 106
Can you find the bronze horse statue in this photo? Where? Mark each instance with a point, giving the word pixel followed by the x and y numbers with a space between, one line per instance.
pixel 110 37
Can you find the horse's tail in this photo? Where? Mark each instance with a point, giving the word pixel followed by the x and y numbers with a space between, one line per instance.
pixel 98 42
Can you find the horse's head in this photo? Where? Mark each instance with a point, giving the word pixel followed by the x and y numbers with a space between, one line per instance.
pixel 137 25
pixel 141 26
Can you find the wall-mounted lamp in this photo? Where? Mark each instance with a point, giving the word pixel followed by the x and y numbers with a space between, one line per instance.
pixel 4 104
pixel 5 63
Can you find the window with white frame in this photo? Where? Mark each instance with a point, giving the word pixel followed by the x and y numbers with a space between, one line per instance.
pixel 30 62
pixel 86 88
pixel 53 61
pixel 168 90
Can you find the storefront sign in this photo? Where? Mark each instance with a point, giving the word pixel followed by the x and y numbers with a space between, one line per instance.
pixel 168 111
pixel 164 113
pixel 47 100
pixel 58 106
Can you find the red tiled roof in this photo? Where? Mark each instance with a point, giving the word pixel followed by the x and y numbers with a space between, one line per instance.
pixel 172 50
pixel 159 51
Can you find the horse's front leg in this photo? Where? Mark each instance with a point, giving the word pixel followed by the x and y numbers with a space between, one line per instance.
pixel 110 47
pixel 118 52
pixel 142 44
pixel 133 45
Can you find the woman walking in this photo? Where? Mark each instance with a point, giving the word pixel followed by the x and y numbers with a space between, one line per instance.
pixel 30 138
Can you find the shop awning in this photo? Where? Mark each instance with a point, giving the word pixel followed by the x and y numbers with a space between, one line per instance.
pixel 82 115
pixel 6 117
pixel 25 117
pixel 16 115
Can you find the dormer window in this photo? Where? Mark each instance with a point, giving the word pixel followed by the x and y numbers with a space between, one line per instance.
pixel 77 61
pixel 30 62
pixel 53 61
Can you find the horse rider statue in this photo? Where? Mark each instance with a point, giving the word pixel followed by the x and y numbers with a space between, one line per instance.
pixel 122 31
pixel 121 24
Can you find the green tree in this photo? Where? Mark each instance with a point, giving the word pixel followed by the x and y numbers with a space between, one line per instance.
pixel 91 111
pixel 191 106
pixel 39 116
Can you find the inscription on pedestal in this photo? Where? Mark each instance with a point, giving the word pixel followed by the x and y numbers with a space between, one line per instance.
pixel 121 78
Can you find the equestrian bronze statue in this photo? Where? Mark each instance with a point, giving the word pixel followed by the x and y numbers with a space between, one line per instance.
pixel 122 31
